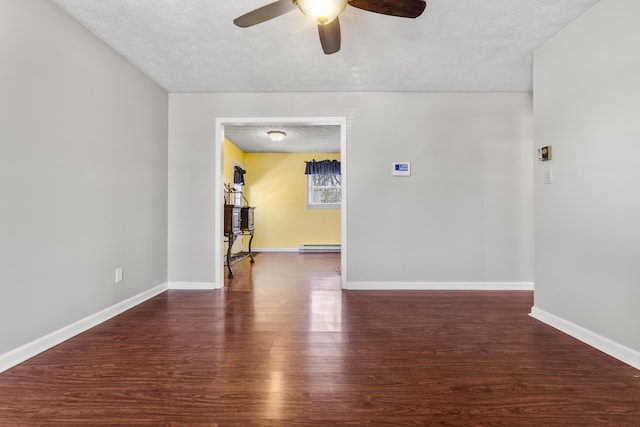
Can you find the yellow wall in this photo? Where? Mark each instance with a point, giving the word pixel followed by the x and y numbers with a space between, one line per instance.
pixel 277 187
pixel 278 190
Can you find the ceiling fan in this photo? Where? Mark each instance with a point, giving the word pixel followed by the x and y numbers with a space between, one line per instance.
pixel 326 12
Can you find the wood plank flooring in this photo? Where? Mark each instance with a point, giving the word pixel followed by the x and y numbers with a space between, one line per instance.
pixel 283 345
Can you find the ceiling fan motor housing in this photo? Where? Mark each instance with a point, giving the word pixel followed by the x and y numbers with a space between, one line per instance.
pixel 322 11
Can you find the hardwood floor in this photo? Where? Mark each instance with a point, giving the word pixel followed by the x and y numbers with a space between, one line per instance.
pixel 283 345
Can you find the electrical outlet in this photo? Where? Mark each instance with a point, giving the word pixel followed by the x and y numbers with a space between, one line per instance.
pixel 118 274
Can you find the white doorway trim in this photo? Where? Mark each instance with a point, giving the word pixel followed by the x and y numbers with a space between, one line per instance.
pixel 219 179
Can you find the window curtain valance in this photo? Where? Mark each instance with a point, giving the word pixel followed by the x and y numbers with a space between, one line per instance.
pixel 323 167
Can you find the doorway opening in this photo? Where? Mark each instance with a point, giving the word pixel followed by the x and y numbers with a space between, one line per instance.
pixel 306 126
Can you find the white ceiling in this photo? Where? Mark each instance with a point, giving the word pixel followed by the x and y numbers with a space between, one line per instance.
pixel 301 138
pixel 456 45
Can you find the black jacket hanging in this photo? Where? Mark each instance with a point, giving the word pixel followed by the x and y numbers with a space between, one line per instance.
pixel 238 175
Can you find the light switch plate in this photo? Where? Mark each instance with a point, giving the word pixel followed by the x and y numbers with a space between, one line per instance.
pixel 548 176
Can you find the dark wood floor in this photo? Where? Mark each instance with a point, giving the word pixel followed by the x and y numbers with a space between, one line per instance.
pixel 283 345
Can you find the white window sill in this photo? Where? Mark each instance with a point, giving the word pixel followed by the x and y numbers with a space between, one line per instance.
pixel 325 206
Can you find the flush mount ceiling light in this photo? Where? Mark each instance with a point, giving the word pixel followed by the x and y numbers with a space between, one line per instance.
pixel 325 13
pixel 276 135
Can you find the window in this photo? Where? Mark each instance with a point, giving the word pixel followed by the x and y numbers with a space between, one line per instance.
pixel 324 191
pixel 324 184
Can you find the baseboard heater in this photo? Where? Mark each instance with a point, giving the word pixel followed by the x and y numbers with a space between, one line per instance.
pixel 317 248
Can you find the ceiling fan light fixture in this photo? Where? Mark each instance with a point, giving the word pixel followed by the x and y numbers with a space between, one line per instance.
pixel 322 11
pixel 276 135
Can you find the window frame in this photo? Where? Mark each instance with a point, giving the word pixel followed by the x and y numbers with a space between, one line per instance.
pixel 310 187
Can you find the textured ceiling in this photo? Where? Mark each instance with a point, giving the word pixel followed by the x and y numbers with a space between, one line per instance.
pixel 301 138
pixel 456 45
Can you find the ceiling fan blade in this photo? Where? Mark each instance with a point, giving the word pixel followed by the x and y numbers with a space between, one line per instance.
pixel 330 36
pixel 265 13
pixel 402 8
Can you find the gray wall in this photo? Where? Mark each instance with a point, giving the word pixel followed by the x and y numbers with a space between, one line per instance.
pixel 83 174
pixel 465 214
pixel 587 246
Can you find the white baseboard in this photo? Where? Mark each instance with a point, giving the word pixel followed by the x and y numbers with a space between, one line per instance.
pixel 319 248
pixel 14 357
pixel 194 285
pixel 441 286
pixel 274 250
pixel 605 345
